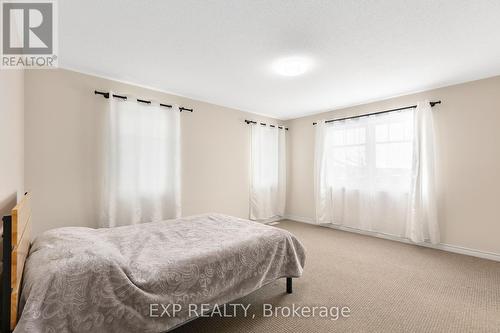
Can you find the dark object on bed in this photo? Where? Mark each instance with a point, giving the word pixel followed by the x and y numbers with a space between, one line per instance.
pixel 289 285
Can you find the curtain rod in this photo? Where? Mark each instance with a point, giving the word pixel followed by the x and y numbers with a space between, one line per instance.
pixel 106 95
pixel 379 112
pixel 264 124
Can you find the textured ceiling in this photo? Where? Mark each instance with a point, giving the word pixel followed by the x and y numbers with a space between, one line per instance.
pixel 221 51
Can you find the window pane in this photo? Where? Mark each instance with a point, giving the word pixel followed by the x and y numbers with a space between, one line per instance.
pixel 338 138
pixel 382 133
pixel 371 151
pixel 396 131
pixel 393 155
pixel 354 156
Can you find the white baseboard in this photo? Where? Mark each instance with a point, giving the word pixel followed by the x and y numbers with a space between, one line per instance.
pixel 302 219
pixel 269 220
pixel 441 246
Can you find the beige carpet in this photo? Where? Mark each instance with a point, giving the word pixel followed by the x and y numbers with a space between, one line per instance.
pixel 389 287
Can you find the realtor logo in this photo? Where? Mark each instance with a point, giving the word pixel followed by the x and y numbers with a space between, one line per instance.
pixel 29 34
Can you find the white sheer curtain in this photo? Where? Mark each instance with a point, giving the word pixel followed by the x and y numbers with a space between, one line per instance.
pixel 268 173
pixel 422 222
pixel 322 189
pixel 142 163
pixel 376 173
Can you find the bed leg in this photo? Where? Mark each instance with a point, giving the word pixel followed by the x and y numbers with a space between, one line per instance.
pixel 288 285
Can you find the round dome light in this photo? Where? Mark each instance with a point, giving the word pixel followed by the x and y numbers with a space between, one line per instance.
pixel 292 66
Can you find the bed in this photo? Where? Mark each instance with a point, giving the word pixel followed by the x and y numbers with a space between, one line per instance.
pixel 107 280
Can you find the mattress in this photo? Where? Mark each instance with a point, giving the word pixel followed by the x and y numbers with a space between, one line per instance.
pixel 109 280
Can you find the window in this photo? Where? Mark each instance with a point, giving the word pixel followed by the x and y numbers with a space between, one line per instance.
pixel 371 152
pixel 368 176
pixel 143 150
pixel 268 172
pixel 368 167
pixel 142 163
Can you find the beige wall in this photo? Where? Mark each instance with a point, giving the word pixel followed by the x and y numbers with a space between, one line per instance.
pixel 62 124
pixel 63 117
pixel 468 134
pixel 11 138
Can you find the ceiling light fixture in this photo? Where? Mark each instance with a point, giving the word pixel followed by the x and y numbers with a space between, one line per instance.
pixel 292 66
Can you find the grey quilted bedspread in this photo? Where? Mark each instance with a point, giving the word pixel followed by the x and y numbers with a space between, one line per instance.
pixel 105 280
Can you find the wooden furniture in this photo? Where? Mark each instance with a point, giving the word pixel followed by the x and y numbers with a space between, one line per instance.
pixel 16 243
